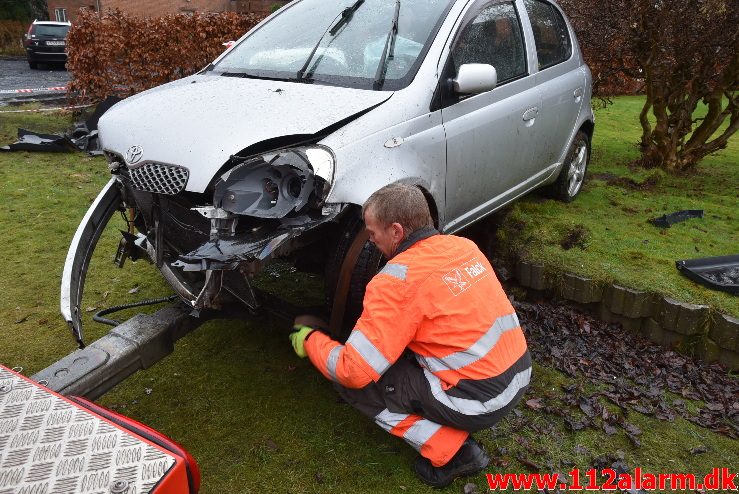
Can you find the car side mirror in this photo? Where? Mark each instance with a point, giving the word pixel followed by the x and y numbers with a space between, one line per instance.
pixel 475 78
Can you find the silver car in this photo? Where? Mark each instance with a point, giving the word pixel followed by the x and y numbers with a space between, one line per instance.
pixel 270 150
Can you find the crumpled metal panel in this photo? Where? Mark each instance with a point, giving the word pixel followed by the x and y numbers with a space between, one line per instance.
pixel 50 446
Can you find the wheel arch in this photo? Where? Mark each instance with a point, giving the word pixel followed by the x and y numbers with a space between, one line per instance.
pixel 588 126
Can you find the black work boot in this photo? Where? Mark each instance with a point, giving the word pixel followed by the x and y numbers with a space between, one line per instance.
pixel 469 460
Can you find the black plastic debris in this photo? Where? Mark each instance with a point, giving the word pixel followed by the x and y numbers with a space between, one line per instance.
pixel 718 273
pixel 667 220
pixel 84 136
pixel 35 141
pixel 92 122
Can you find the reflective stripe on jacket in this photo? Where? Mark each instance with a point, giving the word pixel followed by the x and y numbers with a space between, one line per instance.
pixel 440 299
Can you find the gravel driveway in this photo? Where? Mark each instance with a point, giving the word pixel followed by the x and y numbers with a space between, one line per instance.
pixel 15 74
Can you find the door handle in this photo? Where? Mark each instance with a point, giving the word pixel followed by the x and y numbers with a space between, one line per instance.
pixel 530 114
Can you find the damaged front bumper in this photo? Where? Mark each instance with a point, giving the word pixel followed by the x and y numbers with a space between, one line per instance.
pixel 231 252
pixel 80 253
pixel 219 264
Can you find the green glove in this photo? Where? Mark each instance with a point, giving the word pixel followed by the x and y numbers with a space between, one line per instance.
pixel 298 337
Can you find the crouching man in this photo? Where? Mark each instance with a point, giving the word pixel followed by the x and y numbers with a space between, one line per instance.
pixel 438 351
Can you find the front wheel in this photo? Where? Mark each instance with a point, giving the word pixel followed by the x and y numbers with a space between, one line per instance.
pixel 32 65
pixel 571 177
pixel 369 262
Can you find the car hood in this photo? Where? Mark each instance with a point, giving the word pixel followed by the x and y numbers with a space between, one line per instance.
pixel 200 121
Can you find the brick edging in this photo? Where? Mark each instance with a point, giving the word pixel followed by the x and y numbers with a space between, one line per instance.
pixel 693 329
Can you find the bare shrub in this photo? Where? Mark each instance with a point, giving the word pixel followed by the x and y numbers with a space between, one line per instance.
pixel 684 56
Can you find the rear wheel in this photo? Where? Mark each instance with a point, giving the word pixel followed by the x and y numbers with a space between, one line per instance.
pixel 571 177
pixel 369 262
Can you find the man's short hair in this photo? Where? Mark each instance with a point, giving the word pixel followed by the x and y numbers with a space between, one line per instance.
pixel 399 203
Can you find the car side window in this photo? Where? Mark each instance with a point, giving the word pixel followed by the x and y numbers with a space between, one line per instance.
pixel 553 44
pixel 493 37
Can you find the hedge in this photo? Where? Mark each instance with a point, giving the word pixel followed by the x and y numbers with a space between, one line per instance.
pixel 11 37
pixel 120 54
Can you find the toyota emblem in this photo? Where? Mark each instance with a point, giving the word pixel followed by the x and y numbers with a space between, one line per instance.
pixel 134 154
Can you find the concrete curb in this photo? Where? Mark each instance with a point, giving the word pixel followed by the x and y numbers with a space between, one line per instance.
pixel 692 329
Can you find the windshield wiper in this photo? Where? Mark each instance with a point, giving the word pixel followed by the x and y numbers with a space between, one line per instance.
pixel 388 53
pixel 346 16
pixel 245 75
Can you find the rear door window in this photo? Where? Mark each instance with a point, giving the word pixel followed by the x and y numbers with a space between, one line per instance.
pixel 553 44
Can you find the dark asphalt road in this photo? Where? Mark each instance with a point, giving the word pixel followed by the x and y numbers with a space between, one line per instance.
pixel 15 74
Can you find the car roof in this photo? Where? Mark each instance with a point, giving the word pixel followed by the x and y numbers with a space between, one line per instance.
pixel 53 23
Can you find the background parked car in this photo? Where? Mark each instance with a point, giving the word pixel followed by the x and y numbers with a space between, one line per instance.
pixel 46 42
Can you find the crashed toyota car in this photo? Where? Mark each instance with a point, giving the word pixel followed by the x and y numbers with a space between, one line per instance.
pixel 271 149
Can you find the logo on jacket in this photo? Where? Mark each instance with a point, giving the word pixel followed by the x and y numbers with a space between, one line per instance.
pixel 462 278
pixel 456 282
pixel 134 154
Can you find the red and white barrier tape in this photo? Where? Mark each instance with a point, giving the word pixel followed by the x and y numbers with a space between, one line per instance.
pixel 35 90
pixel 47 109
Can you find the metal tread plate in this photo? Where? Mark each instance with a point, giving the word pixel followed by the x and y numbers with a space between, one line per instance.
pixel 49 445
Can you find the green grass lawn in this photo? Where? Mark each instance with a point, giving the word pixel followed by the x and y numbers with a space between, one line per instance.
pixel 613 241
pixel 257 418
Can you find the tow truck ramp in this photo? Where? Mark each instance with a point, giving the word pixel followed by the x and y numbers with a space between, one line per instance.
pixel 55 445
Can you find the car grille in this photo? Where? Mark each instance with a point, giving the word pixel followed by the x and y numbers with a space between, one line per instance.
pixel 159 178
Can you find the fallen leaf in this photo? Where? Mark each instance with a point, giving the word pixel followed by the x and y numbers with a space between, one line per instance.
pixel 271 445
pixel 631 429
pixel 529 464
pixel 134 290
pixel 534 404
pixel 319 477
pixel 609 429
pixel 148 391
pixel 22 319
pixel 715 407
pixel 698 450
pixel 587 409
pixel 91 309
pixel 620 467
pixel 470 488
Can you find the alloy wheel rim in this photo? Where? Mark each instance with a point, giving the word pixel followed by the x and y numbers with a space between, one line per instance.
pixel 576 174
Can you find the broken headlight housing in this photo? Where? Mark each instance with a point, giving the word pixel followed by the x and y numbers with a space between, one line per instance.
pixel 273 185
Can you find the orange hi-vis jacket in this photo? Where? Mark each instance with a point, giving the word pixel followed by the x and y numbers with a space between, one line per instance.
pixel 440 299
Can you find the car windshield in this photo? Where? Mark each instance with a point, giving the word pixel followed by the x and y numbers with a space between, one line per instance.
pixel 50 31
pixel 349 56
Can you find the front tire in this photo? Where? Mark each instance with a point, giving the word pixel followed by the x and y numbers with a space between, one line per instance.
pixel 369 262
pixel 32 65
pixel 572 176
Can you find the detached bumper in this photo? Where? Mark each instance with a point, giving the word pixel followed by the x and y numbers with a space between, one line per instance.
pixel 80 253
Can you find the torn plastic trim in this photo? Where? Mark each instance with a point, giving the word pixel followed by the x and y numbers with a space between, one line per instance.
pixel 274 185
pixel 716 273
pixel 229 253
pixel 80 252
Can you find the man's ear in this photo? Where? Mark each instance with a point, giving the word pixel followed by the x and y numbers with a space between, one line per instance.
pixel 398 232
